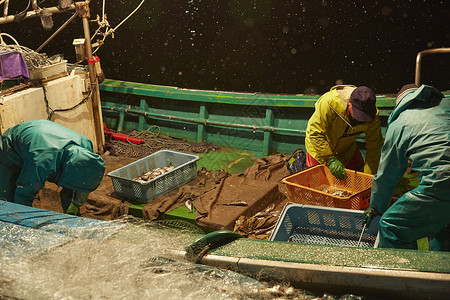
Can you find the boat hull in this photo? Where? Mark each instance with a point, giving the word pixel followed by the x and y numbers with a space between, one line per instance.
pixel 364 271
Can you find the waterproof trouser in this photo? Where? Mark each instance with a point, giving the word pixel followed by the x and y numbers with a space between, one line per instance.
pixel 412 217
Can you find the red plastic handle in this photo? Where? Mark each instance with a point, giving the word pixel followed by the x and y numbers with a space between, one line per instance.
pixel 125 138
pixel 122 137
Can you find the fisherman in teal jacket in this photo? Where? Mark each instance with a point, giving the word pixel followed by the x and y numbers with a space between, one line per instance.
pixel 418 131
pixel 37 151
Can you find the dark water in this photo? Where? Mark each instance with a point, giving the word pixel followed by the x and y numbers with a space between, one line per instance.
pixel 274 46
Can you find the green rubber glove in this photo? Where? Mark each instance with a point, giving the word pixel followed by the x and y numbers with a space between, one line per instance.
pixel 72 209
pixel 369 214
pixel 336 168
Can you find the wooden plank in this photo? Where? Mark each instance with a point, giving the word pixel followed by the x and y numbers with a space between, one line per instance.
pixel 62 93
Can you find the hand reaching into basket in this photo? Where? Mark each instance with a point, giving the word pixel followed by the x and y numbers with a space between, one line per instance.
pixel 336 168
pixel 369 214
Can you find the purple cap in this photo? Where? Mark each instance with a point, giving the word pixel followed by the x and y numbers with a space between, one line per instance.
pixel 363 104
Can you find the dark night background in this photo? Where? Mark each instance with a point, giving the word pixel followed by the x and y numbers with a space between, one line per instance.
pixel 278 46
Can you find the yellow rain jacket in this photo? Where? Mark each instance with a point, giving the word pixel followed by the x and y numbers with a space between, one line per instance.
pixel 330 133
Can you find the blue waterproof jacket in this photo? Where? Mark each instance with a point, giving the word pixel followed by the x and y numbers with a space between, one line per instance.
pixel 36 151
pixel 419 131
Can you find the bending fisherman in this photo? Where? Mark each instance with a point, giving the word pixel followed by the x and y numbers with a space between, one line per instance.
pixel 37 151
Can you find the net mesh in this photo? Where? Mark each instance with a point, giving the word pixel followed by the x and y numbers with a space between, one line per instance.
pixel 153 143
pixel 171 224
pixel 321 236
pixel 32 58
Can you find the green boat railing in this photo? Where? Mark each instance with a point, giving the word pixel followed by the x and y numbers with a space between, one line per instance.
pixel 253 122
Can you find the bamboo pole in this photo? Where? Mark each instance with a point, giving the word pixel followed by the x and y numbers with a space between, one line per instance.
pixel 84 12
pixel 56 32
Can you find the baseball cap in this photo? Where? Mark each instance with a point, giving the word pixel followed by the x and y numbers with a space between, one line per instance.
pixel 363 104
pixel 405 90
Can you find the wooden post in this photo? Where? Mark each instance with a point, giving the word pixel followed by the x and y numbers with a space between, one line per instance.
pixel 84 12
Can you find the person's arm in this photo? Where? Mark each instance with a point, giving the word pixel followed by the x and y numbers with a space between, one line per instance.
pixel 374 143
pixel 29 183
pixel 318 126
pixel 392 167
pixel 71 200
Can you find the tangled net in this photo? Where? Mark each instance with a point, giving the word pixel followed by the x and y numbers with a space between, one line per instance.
pixel 168 224
pixel 32 58
pixel 153 143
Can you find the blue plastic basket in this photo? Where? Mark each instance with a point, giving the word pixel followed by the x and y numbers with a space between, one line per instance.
pixel 310 224
pixel 185 169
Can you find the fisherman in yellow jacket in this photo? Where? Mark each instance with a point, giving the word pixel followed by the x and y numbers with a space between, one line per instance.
pixel 340 116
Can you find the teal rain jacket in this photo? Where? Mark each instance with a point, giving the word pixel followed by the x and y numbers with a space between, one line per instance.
pixel 419 131
pixel 37 151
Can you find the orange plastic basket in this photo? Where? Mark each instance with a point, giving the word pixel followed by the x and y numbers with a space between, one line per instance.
pixel 315 185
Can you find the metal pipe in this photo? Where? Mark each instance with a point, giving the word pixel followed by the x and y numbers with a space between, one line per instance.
pixel 206 122
pixel 57 32
pixel 5 8
pixel 31 14
pixel 35 5
pixel 419 60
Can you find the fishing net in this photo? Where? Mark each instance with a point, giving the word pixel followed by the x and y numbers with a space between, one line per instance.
pixel 32 58
pixel 177 225
pixel 153 143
